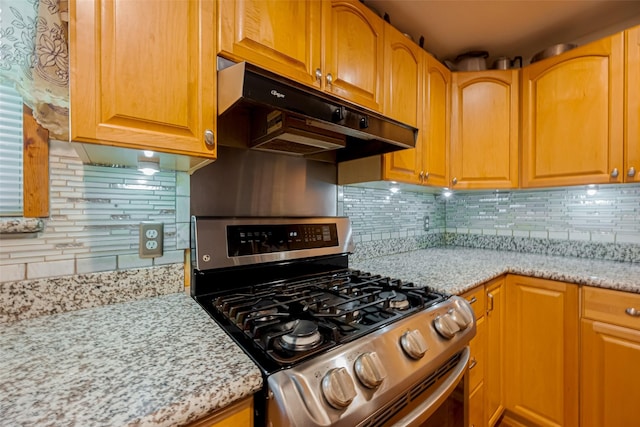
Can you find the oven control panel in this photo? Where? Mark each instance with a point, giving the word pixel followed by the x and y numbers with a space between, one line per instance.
pixel 269 238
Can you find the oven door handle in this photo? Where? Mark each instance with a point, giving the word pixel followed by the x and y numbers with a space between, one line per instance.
pixel 420 413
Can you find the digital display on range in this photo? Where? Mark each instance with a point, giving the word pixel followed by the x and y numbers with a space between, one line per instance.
pixel 263 239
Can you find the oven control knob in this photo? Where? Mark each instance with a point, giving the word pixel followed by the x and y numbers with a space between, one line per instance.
pixel 413 343
pixel 446 326
pixel 338 388
pixel 461 316
pixel 369 369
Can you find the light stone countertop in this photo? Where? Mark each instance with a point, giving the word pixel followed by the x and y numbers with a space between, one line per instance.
pixel 456 270
pixel 158 361
pixel 162 361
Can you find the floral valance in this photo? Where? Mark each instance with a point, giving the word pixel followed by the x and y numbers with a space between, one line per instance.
pixel 34 55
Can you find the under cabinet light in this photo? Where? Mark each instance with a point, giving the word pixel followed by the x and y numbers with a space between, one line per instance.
pixel 149 165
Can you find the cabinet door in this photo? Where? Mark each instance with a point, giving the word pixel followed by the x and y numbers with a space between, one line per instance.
pixel 476 407
pixel 572 116
pixel 280 35
pixel 477 358
pixel 238 414
pixel 632 102
pixel 610 375
pixel 143 77
pixel 494 370
pixel 542 349
pixel 484 130
pixel 403 101
pixel 436 124
pixel 354 50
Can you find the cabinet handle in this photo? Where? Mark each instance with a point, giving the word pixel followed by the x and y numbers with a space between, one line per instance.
pixel 318 74
pixel 209 138
pixel 454 180
pixel 426 176
pixel 421 176
pixel 631 311
pixel 329 79
pixel 472 300
pixel 632 172
pixel 490 296
pixel 473 363
pixel 614 173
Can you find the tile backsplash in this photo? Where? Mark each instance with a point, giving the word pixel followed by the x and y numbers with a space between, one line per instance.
pixel 604 214
pixel 95 213
pixel 597 221
pixel 387 222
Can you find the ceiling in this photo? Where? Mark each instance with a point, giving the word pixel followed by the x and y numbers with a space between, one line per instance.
pixel 506 27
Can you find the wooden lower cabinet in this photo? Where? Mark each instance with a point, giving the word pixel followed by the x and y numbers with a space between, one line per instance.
pixel 476 406
pixel 477 346
pixel 552 353
pixel 610 359
pixel 541 354
pixel 485 375
pixel 239 414
pixel 495 350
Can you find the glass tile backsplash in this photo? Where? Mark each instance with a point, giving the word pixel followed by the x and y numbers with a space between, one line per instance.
pixel 386 222
pixel 607 213
pixel 593 221
pixel 94 220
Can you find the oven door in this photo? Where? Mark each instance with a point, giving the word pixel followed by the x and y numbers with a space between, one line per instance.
pixel 443 403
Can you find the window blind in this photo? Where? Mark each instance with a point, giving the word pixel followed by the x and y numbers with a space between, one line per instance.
pixel 10 151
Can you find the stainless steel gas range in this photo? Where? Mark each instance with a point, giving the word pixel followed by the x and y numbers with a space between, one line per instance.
pixel 336 347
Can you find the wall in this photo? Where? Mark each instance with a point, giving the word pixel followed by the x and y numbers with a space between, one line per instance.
pixel 605 214
pixel 595 222
pixel 94 218
pixel 385 222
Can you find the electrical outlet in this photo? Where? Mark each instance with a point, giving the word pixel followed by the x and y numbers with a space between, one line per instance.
pixel 151 239
pixel 426 223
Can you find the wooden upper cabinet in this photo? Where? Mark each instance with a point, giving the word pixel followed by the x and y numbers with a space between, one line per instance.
pixel 428 163
pixel 354 51
pixel 436 123
pixel 403 101
pixel 572 116
pixel 484 129
pixel 283 36
pixel 403 77
pixel 632 103
pixel 143 77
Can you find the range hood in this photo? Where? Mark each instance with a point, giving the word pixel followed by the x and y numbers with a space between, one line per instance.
pixel 287 117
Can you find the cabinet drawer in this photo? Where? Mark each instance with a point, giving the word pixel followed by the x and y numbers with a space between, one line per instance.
pixel 477 300
pixel 611 306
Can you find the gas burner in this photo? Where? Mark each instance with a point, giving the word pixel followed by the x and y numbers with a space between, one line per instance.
pixel 396 301
pixel 264 310
pixel 303 336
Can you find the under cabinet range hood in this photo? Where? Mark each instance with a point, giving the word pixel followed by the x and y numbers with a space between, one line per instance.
pixel 280 115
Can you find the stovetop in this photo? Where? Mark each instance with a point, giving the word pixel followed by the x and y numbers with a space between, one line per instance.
pixel 285 322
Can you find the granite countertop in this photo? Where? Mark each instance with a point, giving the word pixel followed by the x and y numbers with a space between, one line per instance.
pixel 158 361
pixel 456 270
pixel 162 361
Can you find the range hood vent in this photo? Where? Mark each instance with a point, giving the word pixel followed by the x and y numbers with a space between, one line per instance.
pixel 287 117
